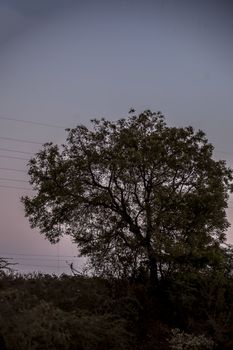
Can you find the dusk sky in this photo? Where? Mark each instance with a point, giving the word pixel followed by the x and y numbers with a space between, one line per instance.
pixel 63 62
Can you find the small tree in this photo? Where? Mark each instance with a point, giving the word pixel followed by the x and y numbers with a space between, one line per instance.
pixel 5 265
pixel 133 194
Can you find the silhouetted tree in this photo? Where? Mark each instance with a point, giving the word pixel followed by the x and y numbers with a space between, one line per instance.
pixel 133 194
pixel 6 265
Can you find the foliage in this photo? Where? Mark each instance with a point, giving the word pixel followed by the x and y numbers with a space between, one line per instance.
pixel 183 341
pixel 202 303
pixel 79 313
pixel 29 322
pixel 6 266
pixel 137 196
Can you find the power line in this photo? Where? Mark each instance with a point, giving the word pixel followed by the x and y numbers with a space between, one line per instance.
pixel 54 126
pixel 41 143
pixel 16 187
pixel 224 152
pixel 15 180
pixel 32 265
pixel 16 151
pixel 33 122
pixel 20 140
pixel 44 255
pixel 17 170
pixel 12 157
pixel 34 258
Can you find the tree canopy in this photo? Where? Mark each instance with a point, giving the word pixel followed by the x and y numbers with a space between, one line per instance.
pixel 134 195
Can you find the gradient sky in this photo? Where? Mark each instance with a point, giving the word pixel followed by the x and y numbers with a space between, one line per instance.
pixel 64 62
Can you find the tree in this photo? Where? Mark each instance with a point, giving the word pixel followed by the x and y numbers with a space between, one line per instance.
pixel 133 194
pixel 5 266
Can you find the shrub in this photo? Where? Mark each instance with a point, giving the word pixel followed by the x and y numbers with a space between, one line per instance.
pixel 184 341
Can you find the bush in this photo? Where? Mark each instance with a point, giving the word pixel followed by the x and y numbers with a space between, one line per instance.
pixel 28 323
pixel 184 341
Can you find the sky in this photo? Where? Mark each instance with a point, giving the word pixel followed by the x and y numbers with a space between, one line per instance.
pixel 63 62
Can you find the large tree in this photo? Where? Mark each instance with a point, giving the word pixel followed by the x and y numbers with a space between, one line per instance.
pixel 132 193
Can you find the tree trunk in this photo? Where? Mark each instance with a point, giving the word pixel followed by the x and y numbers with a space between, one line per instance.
pixel 153 268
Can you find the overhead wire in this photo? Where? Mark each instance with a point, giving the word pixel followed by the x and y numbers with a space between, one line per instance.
pixel 224 152
pixel 32 122
pixel 20 140
pixel 16 187
pixel 11 139
pixel 35 258
pixel 35 265
pixel 14 180
pixel 15 151
pixel 13 169
pixel 42 255
pixel 51 125
pixel 13 157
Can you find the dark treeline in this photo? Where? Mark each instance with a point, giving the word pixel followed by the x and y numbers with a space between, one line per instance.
pixel 187 311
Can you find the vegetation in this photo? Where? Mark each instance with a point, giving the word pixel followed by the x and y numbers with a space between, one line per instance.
pixel 80 313
pixel 137 196
pixel 6 265
pixel 145 203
